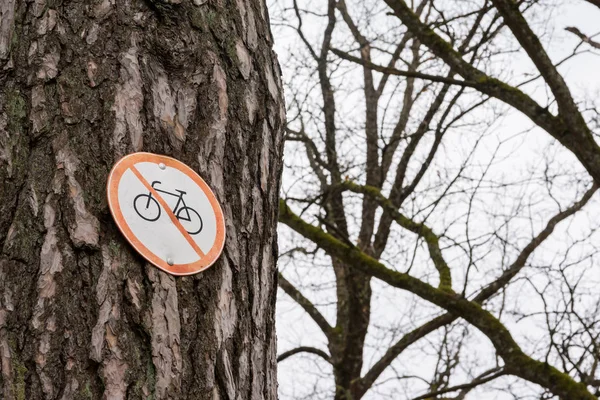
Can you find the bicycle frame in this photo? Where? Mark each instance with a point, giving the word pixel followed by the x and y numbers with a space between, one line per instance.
pixel 179 201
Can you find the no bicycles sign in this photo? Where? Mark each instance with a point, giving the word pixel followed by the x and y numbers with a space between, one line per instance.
pixel 167 212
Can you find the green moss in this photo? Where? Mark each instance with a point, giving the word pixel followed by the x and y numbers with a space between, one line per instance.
pixel 22 243
pixel 197 19
pixel 19 372
pixel 19 385
pixel 230 48
pixel 14 40
pixel 337 331
pixel 86 391
pixel 435 40
pixel 214 21
pixel 151 379
pixel 16 109
pixel 493 82
pixel 212 18
pixel 343 393
pixel 113 248
pixel 420 229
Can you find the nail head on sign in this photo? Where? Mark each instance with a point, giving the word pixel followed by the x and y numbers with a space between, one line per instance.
pixel 161 166
pixel 169 261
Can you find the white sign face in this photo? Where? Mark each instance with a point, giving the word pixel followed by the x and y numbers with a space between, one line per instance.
pixel 167 212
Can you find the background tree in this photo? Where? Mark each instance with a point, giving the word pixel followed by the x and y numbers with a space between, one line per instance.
pixel 401 170
pixel 82 316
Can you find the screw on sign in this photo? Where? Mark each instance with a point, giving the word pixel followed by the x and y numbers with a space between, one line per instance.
pixel 167 212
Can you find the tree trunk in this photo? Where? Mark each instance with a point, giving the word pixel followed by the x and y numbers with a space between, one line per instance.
pixel 82 316
pixel 354 309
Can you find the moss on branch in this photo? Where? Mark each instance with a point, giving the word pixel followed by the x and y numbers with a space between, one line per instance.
pixel 420 229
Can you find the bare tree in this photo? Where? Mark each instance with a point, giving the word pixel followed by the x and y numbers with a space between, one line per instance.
pixel 82 315
pixel 399 173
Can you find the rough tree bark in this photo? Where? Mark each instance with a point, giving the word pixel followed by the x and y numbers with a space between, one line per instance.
pixel 82 316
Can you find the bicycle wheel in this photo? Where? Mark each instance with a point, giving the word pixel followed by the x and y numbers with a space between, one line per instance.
pixel 147 207
pixel 194 225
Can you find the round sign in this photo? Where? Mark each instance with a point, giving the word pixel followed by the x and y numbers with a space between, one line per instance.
pixel 167 212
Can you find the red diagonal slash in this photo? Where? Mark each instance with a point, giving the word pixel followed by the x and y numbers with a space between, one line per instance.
pixel 164 205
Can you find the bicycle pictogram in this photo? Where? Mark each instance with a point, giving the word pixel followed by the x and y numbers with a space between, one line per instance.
pixel 151 210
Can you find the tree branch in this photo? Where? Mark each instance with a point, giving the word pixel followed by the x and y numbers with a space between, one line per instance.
pixel 304 349
pixel 531 44
pixel 519 263
pixel 594 2
pixel 334 204
pixel 301 33
pixel 390 355
pixel 584 38
pixel 312 152
pixel 408 101
pixel 421 230
pixel 569 128
pixel 396 192
pixel 306 304
pixel 486 84
pixel 397 72
pixel 371 97
pixel 485 378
